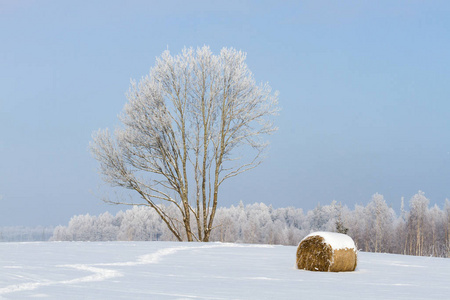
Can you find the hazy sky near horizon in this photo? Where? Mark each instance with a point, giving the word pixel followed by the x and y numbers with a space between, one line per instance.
pixel 364 91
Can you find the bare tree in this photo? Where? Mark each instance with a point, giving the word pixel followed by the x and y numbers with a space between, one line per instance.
pixel 184 124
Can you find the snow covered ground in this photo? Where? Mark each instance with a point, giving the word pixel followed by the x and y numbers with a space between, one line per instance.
pixel 165 270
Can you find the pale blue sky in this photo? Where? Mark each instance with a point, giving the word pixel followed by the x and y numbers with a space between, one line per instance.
pixel 364 90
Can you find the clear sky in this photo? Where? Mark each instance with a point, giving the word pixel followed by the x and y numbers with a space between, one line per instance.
pixel 364 91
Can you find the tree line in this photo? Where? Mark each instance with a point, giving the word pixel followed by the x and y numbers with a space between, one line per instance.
pixel 421 230
pixel 25 234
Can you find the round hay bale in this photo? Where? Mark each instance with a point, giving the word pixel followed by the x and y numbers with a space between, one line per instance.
pixel 327 252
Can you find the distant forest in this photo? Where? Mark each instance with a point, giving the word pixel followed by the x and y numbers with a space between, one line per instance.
pixel 25 234
pixel 376 227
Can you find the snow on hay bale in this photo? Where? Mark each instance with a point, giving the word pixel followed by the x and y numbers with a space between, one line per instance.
pixel 327 252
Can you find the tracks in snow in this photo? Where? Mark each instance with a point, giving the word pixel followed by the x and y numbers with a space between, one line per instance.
pixel 100 273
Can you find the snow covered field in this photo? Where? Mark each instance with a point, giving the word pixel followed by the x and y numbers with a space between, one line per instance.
pixel 165 270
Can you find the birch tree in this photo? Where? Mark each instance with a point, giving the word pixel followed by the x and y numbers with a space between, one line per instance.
pixel 185 128
pixel 417 222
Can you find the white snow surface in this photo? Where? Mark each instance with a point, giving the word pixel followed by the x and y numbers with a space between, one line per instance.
pixel 169 270
pixel 336 240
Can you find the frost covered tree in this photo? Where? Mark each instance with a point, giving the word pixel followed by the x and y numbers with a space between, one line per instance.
pixel 140 224
pixel 381 223
pixel 417 221
pixel 317 218
pixel 436 233
pixel 184 128
pixel 447 227
pixel 105 228
pixel 357 225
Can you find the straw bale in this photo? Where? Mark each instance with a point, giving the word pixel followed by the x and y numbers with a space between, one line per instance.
pixel 315 254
